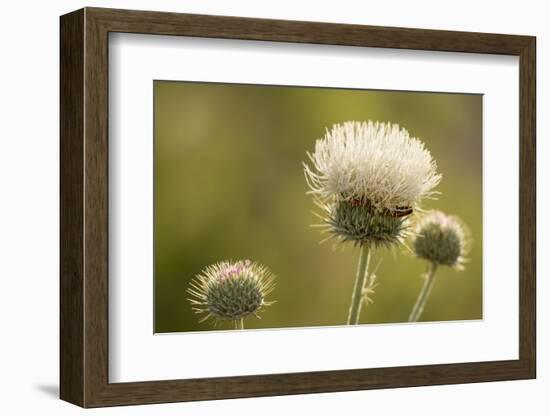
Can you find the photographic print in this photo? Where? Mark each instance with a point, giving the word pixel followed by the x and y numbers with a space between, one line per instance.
pixel 305 223
pixel 293 207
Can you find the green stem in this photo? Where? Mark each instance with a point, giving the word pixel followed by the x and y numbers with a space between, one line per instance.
pixel 424 293
pixel 361 279
pixel 239 323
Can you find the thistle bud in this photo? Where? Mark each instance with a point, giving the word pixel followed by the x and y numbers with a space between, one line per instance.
pixel 231 290
pixel 441 239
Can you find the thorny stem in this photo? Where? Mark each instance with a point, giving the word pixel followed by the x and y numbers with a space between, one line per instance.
pixel 424 293
pixel 361 281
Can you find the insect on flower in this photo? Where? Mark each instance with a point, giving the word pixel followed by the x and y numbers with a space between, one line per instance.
pixel 400 212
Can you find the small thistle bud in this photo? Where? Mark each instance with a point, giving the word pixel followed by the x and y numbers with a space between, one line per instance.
pixel 441 239
pixel 231 290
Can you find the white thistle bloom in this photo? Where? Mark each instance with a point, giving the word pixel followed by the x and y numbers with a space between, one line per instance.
pixel 377 163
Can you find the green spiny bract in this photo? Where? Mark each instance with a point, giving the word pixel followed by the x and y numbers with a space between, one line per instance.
pixel 441 239
pixel 234 298
pixel 231 290
pixel 362 223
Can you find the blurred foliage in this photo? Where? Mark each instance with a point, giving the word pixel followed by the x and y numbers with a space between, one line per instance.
pixel 229 184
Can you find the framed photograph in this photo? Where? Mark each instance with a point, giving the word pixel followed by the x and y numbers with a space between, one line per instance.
pixel 254 207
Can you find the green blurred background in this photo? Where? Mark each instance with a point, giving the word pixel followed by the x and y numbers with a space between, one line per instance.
pixel 229 184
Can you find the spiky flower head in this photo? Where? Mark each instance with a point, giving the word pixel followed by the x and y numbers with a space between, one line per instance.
pixel 360 223
pixel 231 290
pixel 368 177
pixel 441 239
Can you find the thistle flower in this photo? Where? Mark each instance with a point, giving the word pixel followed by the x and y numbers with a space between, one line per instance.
pixel 231 291
pixel 367 177
pixel 442 240
pixel 377 161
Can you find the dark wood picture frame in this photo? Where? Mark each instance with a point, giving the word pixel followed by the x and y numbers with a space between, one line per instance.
pixel 84 207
